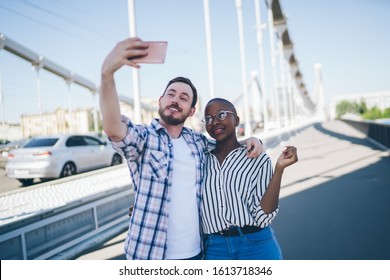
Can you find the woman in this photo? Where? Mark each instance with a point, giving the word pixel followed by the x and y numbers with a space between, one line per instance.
pixel 240 195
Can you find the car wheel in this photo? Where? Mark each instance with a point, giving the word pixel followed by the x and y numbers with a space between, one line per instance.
pixel 69 169
pixel 26 182
pixel 116 159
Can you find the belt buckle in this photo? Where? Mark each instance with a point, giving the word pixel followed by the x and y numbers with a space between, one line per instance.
pixel 222 231
pixel 226 230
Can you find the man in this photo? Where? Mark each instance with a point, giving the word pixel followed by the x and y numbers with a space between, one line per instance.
pixel 165 160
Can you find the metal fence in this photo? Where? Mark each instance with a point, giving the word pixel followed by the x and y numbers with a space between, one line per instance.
pixel 51 233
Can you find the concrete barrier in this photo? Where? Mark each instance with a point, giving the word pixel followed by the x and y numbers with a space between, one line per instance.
pixel 378 132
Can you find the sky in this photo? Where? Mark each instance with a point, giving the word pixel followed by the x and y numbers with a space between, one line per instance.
pixel 349 38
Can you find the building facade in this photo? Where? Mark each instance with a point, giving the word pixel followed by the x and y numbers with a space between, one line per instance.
pixel 60 121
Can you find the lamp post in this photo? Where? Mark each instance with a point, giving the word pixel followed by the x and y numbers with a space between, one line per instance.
pixel 2 103
pixel 135 73
pixel 243 68
pixel 37 67
pixel 274 99
pixel 69 82
pixel 209 47
pixel 259 34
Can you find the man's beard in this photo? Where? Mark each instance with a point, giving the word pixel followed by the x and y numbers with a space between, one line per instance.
pixel 170 119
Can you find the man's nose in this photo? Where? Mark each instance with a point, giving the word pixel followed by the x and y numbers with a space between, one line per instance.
pixel 175 100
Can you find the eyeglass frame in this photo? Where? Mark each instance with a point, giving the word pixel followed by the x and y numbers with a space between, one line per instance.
pixel 211 117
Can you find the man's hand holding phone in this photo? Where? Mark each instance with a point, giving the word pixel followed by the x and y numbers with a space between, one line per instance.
pixel 156 53
pixel 133 51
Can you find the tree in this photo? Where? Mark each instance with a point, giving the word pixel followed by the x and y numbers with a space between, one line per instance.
pixel 386 113
pixel 345 107
pixel 373 114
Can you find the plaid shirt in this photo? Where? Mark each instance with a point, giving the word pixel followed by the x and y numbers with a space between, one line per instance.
pixel 149 155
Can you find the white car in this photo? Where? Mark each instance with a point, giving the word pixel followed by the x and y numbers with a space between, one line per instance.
pixel 59 156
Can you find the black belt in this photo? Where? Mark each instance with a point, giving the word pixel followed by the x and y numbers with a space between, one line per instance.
pixel 234 231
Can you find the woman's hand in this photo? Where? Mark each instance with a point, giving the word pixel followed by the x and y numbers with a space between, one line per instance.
pixel 288 157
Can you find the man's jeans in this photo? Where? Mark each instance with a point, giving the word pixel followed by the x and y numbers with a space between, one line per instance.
pixel 261 245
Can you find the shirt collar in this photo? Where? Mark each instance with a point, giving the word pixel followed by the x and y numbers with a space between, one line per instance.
pixel 158 127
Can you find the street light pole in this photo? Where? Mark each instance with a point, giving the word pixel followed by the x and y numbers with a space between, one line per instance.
pixel 70 104
pixel 135 73
pixel 243 68
pixel 209 47
pixel 2 44
pixel 259 33
pixel 38 66
pixel 2 103
pixel 274 99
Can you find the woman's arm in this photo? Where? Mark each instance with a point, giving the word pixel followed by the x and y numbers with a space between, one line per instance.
pixel 270 200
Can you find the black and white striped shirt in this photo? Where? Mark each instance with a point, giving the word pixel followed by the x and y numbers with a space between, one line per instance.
pixel 231 192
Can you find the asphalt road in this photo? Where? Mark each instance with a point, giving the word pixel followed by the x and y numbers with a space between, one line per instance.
pixel 8 184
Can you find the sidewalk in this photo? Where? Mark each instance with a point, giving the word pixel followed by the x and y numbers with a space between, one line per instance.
pixel 334 202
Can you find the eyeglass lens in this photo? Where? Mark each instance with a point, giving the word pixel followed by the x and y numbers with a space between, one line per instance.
pixel 221 115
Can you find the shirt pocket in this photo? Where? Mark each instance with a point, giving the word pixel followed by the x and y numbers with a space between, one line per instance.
pixel 156 165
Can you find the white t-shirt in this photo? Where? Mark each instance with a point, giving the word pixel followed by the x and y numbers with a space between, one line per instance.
pixel 183 238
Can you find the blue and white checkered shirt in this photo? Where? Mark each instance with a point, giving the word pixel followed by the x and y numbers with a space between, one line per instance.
pixel 149 154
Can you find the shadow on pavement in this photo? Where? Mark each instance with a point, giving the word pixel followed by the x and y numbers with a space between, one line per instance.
pixel 345 218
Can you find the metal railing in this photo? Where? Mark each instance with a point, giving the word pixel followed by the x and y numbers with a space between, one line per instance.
pixel 48 234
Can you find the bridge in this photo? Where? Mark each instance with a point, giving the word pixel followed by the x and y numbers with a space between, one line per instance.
pixel 287 101
pixel 333 201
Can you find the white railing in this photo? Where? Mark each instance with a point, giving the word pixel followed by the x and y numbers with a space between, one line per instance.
pixel 60 232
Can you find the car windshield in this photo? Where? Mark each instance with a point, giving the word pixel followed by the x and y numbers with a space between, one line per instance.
pixel 42 142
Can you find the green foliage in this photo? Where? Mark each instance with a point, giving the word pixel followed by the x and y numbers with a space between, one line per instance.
pixel 386 113
pixel 345 107
pixel 373 114
pixel 361 109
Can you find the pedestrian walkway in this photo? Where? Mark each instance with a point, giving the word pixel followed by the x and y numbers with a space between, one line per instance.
pixel 334 202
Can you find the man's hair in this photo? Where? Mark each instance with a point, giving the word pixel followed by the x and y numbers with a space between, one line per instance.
pixel 188 82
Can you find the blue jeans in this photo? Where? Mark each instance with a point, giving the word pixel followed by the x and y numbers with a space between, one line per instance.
pixel 261 245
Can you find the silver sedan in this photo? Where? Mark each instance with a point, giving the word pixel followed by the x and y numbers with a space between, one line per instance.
pixel 59 156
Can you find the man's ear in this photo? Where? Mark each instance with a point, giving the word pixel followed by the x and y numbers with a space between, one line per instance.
pixel 237 120
pixel 192 111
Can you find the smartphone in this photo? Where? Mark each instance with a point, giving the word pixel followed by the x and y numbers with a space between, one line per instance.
pixel 156 53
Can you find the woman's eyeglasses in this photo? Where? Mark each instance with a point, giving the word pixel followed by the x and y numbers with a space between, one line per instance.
pixel 220 115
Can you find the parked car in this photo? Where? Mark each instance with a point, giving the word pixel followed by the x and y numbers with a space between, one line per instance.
pixel 241 129
pixel 59 156
pixel 5 148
